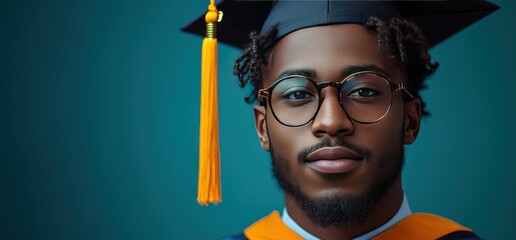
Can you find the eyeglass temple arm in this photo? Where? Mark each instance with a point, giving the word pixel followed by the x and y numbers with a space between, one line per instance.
pixel 263 95
pixel 400 86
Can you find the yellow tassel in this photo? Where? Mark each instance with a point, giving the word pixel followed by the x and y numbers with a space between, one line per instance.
pixel 209 162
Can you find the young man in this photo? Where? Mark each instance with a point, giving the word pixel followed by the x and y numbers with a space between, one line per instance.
pixel 337 86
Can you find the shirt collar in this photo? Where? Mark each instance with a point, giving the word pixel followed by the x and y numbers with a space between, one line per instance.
pixel 403 212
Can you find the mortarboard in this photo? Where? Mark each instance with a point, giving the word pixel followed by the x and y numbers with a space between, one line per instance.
pixel 438 20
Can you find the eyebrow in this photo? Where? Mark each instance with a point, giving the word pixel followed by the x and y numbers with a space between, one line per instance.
pixel 311 73
pixel 360 68
pixel 306 72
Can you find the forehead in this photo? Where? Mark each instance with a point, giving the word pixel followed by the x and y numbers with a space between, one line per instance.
pixel 327 50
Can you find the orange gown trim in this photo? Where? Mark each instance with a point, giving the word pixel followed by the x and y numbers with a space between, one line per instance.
pixel 416 226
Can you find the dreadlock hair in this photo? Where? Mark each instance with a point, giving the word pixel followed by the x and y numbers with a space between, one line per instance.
pixel 400 41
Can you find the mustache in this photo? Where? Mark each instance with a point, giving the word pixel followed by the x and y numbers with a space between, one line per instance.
pixel 326 142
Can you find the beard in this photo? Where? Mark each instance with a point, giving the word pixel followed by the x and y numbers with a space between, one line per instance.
pixel 336 210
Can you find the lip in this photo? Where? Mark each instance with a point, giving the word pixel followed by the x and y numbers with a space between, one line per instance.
pixel 333 160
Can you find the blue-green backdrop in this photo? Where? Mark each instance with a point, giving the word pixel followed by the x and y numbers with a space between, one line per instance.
pixel 99 126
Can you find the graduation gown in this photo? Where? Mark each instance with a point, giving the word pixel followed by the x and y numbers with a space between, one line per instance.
pixel 416 226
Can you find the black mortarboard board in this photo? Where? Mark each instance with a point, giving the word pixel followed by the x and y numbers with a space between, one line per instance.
pixel 437 19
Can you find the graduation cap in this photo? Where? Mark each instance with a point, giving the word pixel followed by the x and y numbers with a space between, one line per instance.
pixel 438 20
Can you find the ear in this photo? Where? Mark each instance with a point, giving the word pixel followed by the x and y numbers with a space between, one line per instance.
pixel 412 120
pixel 261 126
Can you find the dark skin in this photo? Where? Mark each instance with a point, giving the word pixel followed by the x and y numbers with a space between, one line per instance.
pixel 327 51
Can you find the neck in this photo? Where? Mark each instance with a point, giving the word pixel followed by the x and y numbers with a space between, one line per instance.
pixel 386 208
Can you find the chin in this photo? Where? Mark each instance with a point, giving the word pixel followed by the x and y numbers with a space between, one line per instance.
pixel 328 203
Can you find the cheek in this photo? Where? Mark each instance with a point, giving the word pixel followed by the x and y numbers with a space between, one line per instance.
pixel 287 141
pixel 384 137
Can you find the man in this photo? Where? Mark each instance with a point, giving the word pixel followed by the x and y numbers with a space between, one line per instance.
pixel 337 86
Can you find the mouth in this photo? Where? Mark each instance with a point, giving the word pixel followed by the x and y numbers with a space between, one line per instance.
pixel 333 160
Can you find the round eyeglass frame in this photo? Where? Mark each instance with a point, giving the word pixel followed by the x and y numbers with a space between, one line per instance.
pixel 264 95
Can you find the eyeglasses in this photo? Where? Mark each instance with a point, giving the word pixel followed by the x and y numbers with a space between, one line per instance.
pixel 366 97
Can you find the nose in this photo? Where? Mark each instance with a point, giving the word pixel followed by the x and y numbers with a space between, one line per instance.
pixel 331 119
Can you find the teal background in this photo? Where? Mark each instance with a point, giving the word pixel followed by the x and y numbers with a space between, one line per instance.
pixel 99 127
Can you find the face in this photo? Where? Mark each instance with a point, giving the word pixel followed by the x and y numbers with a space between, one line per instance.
pixel 333 157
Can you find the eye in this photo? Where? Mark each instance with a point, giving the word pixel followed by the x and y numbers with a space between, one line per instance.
pixel 363 92
pixel 298 95
pixel 294 92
